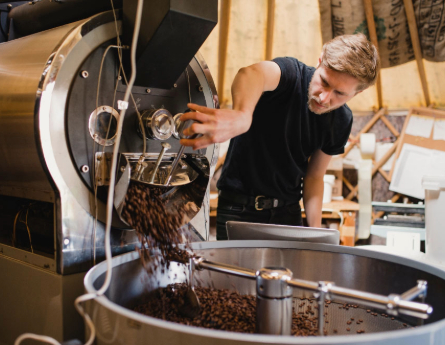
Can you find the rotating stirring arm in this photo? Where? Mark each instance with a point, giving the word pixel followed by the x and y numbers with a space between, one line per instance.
pixel 273 285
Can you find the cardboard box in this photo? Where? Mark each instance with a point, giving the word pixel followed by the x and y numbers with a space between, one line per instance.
pixel 335 168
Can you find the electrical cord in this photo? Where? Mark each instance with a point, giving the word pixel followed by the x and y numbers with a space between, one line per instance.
pixel 108 256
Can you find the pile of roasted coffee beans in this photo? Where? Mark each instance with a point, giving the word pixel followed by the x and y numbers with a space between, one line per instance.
pixel 157 228
pixel 220 309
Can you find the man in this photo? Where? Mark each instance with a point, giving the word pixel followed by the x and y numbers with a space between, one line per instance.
pixel 287 121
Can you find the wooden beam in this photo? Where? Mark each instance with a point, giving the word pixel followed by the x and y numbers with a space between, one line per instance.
pixel 373 35
pixel 347 183
pixel 224 25
pixel 388 124
pixel 376 167
pixel 366 128
pixel 385 157
pixel 270 28
pixel 410 16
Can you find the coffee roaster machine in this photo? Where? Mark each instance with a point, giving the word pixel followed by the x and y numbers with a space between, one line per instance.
pixel 63 74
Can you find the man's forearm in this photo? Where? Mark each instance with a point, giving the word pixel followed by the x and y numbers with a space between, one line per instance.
pixel 313 200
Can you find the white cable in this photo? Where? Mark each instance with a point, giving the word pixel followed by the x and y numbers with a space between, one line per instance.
pixel 110 200
pixel 108 256
pixel 42 338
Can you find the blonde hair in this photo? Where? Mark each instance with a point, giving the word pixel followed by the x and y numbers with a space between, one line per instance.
pixel 354 55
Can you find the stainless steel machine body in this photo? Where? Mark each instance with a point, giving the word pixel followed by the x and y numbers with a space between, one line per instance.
pixel 48 84
pixel 49 166
pixel 347 267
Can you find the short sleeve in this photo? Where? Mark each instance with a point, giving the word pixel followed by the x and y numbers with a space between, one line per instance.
pixel 338 131
pixel 290 75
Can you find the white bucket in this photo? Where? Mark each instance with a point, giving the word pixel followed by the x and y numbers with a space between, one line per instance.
pixel 434 218
pixel 328 184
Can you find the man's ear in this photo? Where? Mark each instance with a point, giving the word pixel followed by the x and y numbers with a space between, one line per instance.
pixel 319 59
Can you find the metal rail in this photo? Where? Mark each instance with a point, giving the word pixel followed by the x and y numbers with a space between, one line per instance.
pixel 393 304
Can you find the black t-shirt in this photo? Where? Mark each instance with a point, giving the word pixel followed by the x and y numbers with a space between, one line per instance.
pixel 271 158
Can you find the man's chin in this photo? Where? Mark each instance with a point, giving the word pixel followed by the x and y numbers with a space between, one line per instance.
pixel 317 110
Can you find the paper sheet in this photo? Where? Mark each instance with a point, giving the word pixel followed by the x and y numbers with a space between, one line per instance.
pixel 420 126
pixel 415 162
pixel 439 130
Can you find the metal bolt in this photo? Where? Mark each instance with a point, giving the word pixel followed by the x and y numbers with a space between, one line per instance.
pixel 104 108
pixel 200 88
pixel 119 78
pixel 85 168
pixel 175 85
pixel 148 91
pixel 84 74
pixel 122 168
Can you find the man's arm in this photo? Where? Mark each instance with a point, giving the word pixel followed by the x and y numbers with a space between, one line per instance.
pixel 219 125
pixel 313 186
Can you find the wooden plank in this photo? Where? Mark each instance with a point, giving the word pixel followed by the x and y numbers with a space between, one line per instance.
pixel 410 16
pixel 385 175
pixel 270 28
pixel 347 183
pixel 402 136
pixel 365 128
pixel 388 124
pixel 376 167
pixel 385 157
pixel 373 35
pixel 224 25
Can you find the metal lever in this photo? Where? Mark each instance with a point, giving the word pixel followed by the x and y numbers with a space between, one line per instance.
pixel 165 147
pixel 174 165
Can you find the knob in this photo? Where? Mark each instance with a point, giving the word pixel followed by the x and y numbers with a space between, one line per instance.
pixel 158 124
pixel 180 126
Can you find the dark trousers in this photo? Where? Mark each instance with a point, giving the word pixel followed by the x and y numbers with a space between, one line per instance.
pixel 227 210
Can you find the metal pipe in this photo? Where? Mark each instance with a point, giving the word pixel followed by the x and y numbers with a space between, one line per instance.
pixel 201 263
pixel 174 165
pixel 165 147
pixel 417 291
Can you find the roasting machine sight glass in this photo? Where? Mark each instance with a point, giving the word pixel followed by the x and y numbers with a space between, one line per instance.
pixel 274 286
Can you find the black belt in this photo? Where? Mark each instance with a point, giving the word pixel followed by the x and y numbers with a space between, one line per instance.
pixel 260 202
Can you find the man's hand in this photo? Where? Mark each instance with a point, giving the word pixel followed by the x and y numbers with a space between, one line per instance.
pixel 215 125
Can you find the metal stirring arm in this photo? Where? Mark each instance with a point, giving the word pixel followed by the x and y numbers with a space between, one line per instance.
pixel 274 283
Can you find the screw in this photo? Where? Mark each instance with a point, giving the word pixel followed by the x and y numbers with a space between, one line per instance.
pixel 104 108
pixel 84 74
pixel 148 91
pixel 85 168
pixel 122 168
pixel 200 88
pixel 175 85
pixel 119 78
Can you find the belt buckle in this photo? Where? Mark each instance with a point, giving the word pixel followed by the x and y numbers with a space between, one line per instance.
pixel 256 202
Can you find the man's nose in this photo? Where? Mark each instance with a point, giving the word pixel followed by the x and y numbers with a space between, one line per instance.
pixel 325 96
